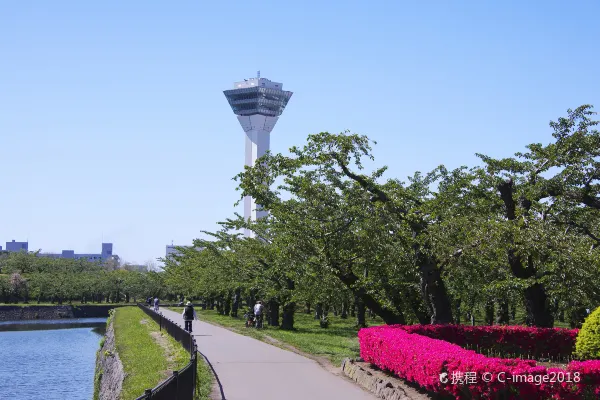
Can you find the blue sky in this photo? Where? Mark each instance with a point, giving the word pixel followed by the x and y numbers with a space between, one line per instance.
pixel 114 127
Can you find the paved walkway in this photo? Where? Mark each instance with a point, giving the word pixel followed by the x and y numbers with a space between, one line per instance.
pixel 250 369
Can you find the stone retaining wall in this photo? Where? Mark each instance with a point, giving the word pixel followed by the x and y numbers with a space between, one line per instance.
pixel 31 312
pixel 109 369
pixel 380 384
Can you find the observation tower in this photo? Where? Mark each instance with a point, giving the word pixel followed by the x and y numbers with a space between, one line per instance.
pixel 258 103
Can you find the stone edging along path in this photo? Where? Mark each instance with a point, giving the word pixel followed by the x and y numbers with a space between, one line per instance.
pixel 380 384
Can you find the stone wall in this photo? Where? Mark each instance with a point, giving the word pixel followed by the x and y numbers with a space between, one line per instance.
pixel 382 385
pixel 31 312
pixel 109 376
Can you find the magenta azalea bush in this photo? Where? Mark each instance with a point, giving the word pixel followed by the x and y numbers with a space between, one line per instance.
pixel 448 369
pixel 553 343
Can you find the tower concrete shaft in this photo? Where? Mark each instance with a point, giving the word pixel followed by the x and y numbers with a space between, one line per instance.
pixel 258 103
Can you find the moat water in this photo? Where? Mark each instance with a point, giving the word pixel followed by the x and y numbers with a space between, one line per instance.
pixel 48 359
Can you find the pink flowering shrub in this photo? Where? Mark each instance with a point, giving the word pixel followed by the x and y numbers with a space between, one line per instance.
pixel 554 343
pixel 448 369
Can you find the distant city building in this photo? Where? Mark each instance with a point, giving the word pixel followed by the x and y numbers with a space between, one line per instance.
pixel 171 250
pixel 106 254
pixel 17 246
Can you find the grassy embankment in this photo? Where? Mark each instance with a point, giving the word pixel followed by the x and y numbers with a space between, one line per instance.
pixel 145 361
pixel 334 343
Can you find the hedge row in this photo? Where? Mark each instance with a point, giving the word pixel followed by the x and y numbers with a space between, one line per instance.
pixel 434 364
pixel 515 341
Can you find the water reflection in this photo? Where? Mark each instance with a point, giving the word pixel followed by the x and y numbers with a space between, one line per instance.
pixel 49 359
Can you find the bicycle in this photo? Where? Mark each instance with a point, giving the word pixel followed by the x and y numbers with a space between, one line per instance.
pixel 259 321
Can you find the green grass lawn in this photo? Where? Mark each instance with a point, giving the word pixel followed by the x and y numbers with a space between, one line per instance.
pixel 335 343
pixel 144 360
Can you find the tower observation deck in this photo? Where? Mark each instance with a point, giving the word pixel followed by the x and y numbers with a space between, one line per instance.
pixel 258 104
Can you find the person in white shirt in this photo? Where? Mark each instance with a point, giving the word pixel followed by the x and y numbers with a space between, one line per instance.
pixel 258 313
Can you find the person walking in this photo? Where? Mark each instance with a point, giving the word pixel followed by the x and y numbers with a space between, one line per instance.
pixel 189 315
pixel 258 313
pixel 156 304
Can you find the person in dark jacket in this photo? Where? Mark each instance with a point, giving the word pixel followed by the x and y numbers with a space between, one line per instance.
pixel 189 315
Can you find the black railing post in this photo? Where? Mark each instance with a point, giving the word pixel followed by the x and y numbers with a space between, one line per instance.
pixel 194 366
pixel 180 335
pixel 176 377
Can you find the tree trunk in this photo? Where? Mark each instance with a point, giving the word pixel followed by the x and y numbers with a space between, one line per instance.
pixel 503 317
pixel 360 313
pixel 227 304
pixel 287 320
pixel 458 303
pixel 251 300
pixel 489 312
pixel 396 299
pixel 576 317
pixel 307 309
pixel 319 311
pixel 536 305
pixel 419 307
pixel 236 302
pixel 273 317
pixel 536 301
pixel 390 317
pixel 434 292
pixel 344 313
pixel 353 310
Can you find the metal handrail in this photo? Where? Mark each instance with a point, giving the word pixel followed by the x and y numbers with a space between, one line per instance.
pixel 192 349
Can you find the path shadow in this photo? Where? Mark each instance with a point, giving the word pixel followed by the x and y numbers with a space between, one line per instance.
pixel 215 375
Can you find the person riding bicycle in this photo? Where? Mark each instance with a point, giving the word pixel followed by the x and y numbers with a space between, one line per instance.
pixel 258 313
pixel 156 304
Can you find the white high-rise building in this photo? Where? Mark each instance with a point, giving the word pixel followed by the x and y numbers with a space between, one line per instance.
pixel 258 103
